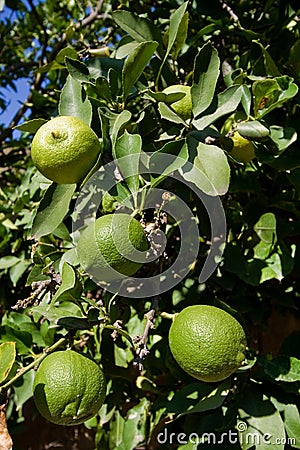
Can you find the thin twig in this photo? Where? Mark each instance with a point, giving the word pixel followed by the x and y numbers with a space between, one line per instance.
pixel 33 364
pixel 232 14
pixel 142 350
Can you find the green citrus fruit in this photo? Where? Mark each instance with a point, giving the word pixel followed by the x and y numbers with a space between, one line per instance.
pixel 65 149
pixel 69 388
pixel 107 248
pixel 243 149
pixel 182 107
pixel 207 342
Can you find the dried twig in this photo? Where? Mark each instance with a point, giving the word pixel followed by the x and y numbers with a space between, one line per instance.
pixel 37 288
pixel 141 341
pixel 230 11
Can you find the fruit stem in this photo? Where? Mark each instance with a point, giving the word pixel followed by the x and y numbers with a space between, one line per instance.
pixel 33 364
pixel 166 315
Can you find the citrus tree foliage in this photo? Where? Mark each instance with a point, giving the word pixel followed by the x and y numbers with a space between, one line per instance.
pixel 108 63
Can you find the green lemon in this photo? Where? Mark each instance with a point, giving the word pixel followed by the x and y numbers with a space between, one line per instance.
pixel 207 342
pixel 65 149
pixel 107 248
pixel 182 107
pixel 69 388
pixel 243 150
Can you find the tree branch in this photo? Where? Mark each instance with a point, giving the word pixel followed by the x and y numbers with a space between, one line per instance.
pixel 7 133
pixel 142 350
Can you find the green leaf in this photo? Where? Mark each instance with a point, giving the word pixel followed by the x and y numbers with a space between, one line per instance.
pixel 23 339
pixel 78 70
pixel 116 437
pixel 253 129
pixel 260 423
pixel 213 400
pixel 23 392
pixel 135 426
pixel 210 170
pixel 140 28
pixel 283 136
pixel 292 424
pixel 127 153
pixel 70 288
pixel 52 209
pixel 31 126
pixel 281 368
pixel 294 57
pixel 16 272
pixel 8 261
pixel 197 397
pixel 272 93
pixel 7 359
pixel 225 103
pixel 167 113
pixel 174 29
pixel 64 313
pixel 135 64
pixel 265 228
pixel 206 73
pixel 270 66
pixel 74 102
pixel 279 264
pixel 163 165
pixel 69 52
pixel 103 89
pixel 181 36
pixel 112 125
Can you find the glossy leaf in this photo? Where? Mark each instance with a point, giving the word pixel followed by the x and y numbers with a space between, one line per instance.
pixel 281 368
pixel 135 64
pixel 210 170
pixel 31 126
pixel 283 136
pixel 161 164
pixel 253 129
pixel 140 28
pixel 52 209
pixel 206 74
pixel 225 103
pixel 260 423
pixel 272 93
pixel 103 89
pixel 292 423
pixel 74 101
pixel 70 288
pixel 7 359
pixel 23 339
pixel 127 153
pixel 174 28
pixel 112 125
pixel 180 37
pixel 167 113
pixel 265 228
pixel 196 397
pixel 78 70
